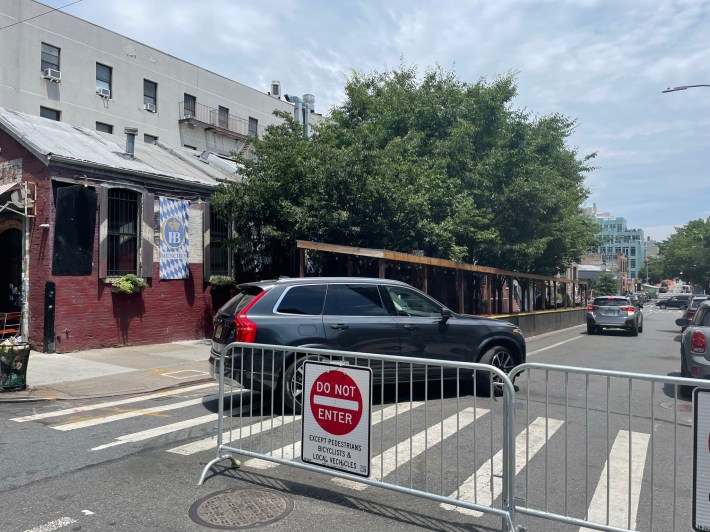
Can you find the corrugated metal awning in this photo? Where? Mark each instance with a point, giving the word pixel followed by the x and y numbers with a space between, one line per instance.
pixel 5 203
pixel 7 187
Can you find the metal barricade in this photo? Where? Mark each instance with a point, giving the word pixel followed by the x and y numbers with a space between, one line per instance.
pixel 431 435
pixel 603 450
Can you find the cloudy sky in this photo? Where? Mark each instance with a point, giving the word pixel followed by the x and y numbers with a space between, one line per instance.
pixel 602 62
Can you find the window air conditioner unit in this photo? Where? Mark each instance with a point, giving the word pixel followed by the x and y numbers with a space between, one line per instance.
pixel 52 75
pixel 276 89
pixel 104 93
pixel 149 107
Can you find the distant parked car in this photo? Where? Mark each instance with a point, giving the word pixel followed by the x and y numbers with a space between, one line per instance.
pixel 695 361
pixel 614 312
pixel 693 307
pixel 680 301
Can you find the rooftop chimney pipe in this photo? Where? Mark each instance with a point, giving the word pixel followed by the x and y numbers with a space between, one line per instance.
pixel 131 133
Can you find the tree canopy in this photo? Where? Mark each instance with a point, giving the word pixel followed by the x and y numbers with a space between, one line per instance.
pixel 686 254
pixel 606 285
pixel 432 164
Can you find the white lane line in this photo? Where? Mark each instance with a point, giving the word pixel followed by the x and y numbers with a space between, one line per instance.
pixel 210 444
pixel 294 450
pixel 553 345
pixel 53 525
pixel 159 431
pixel 621 472
pixel 481 491
pixel 401 453
pixel 98 406
pixel 125 415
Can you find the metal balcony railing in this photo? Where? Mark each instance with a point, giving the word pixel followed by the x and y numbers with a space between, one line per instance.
pixel 214 118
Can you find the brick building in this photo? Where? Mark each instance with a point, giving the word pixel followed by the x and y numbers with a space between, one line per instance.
pixel 79 210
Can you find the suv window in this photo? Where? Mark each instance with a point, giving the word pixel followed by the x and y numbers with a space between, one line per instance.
pixel 702 317
pixel 244 295
pixel 306 300
pixel 353 300
pixel 409 303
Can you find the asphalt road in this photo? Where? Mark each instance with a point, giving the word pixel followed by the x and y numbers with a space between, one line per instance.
pixel 133 466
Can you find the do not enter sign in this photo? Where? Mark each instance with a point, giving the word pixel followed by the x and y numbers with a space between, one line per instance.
pixel 336 402
pixel 336 416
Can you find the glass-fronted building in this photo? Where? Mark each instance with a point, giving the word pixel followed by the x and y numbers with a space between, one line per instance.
pixel 618 238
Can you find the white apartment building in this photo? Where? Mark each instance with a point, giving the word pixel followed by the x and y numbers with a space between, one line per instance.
pixel 64 68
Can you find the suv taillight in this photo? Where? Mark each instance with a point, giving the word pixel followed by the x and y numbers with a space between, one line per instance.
pixel 592 308
pixel 630 310
pixel 245 328
pixel 698 342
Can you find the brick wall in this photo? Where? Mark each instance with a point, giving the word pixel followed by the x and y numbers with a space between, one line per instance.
pixel 87 313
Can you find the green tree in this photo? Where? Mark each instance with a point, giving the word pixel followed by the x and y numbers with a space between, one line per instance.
pixel 606 285
pixel 654 267
pixel 686 253
pixel 432 164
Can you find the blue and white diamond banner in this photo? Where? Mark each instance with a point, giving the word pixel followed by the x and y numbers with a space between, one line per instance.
pixel 174 241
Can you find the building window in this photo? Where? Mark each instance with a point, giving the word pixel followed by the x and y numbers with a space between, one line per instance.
pixel 633 252
pixel 104 74
pixel 223 117
pixel 122 248
pixel 52 114
pixel 150 94
pixel 190 102
pixel 632 263
pixel 219 253
pixel 253 127
pixel 105 128
pixel 50 57
pixel 150 139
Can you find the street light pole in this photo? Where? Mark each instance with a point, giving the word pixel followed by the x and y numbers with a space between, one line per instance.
pixel 683 87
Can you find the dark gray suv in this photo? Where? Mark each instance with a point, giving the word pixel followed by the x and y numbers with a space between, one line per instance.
pixel 360 315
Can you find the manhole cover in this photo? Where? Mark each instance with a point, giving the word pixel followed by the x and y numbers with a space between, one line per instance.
pixel 235 509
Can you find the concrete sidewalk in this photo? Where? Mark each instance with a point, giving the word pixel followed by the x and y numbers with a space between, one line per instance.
pixel 113 371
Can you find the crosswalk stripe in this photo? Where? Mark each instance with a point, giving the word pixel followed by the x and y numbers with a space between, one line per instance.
pixel 88 408
pixel 126 415
pixel 620 474
pixel 480 490
pixel 409 449
pixel 207 444
pixel 158 431
pixel 293 450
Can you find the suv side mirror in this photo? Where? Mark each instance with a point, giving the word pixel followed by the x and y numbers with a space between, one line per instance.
pixel 682 322
pixel 445 315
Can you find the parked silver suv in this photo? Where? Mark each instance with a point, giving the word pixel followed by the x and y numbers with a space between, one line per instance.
pixel 694 345
pixel 614 312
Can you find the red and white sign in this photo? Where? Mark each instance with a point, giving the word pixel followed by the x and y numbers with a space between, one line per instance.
pixel 336 402
pixel 336 416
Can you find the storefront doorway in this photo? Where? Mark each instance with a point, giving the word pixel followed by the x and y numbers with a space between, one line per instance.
pixel 11 266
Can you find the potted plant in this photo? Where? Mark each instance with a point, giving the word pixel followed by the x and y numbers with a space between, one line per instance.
pixel 128 284
pixel 222 283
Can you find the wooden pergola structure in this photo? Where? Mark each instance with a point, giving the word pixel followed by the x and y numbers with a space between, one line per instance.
pixel 466 288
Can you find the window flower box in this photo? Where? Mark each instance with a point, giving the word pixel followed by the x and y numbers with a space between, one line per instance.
pixel 128 284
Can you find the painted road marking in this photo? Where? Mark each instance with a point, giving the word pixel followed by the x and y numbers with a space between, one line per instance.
pixel 159 431
pixel 210 444
pixel 621 472
pixel 407 450
pixel 98 406
pixel 53 525
pixel 477 488
pixel 289 451
pixel 126 415
pixel 554 345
